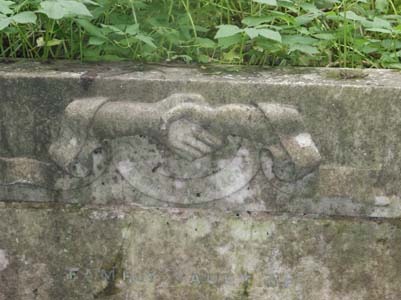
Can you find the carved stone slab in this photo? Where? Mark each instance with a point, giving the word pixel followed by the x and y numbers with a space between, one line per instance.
pixel 182 151
pixel 169 183
pixel 178 143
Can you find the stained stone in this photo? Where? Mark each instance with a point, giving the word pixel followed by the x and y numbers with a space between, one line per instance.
pixel 172 183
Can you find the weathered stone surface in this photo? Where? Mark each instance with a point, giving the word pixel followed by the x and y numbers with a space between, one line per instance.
pixel 155 182
pixel 353 123
pixel 119 253
pixel 181 152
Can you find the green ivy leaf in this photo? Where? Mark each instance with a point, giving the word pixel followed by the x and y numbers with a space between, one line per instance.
pixel 229 41
pixel 325 4
pixel 132 29
pixel 263 32
pixel 268 2
pixel 21 18
pixel 226 31
pixel 255 21
pixel 4 23
pixel 307 18
pixel 311 8
pixel 378 22
pixel 394 66
pixel 391 44
pixel 350 15
pixel 146 39
pixel 63 8
pixel 205 43
pixel 90 2
pixel 203 59
pixel 201 28
pixel 95 41
pixel 381 5
pixel 91 29
pixel 54 42
pixel 5 7
pixel 185 58
pixel 52 9
pixel 252 32
pixel 325 36
pixel 270 34
pixel 75 8
pixel 25 17
pixel 112 29
pixel 304 49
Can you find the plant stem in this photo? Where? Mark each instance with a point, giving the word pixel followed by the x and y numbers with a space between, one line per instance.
pixel 186 6
pixel 49 31
pixel 133 11
pixel 345 25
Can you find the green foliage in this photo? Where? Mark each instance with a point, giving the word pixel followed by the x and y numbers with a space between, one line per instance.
pixel 352 33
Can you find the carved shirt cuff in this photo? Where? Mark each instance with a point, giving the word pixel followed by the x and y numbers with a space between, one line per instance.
pixel 75 143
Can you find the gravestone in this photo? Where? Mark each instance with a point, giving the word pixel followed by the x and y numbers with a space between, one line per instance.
pixel 176 183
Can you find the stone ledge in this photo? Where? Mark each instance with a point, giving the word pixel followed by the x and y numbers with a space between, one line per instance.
pixel 377 78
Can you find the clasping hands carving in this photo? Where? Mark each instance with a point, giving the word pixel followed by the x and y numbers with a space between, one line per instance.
pixel 191 141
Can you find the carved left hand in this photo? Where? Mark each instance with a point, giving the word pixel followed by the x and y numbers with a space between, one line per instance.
pixel 191 141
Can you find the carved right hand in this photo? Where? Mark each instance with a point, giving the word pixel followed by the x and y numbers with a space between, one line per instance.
pixel 191 141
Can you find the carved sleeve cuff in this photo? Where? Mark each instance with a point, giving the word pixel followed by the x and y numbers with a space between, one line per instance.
pixel 301 155
pixel 75 143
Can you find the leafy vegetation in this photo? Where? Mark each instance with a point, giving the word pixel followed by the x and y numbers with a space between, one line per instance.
pixel 351 33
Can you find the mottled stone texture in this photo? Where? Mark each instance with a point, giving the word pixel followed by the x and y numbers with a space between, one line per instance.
pixel 353 122
pixel 116 225
pixel 118 253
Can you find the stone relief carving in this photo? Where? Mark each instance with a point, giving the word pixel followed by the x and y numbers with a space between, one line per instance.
pixel 181 150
